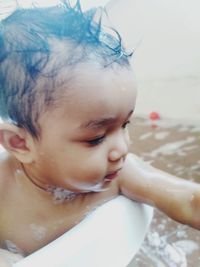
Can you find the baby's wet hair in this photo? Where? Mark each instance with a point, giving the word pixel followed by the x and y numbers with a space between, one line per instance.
pixel 26 52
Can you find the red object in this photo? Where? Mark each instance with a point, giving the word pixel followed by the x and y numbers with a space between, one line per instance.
pixel 154 116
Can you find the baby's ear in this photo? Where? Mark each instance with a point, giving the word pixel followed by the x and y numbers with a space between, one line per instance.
pixel 16 141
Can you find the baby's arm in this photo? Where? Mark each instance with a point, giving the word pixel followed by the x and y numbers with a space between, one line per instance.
pixel 7 258
pixel 176 197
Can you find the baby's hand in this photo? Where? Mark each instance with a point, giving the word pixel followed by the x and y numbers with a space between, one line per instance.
pixel 7 258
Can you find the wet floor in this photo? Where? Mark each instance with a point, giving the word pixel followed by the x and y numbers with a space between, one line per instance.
pixel 173 147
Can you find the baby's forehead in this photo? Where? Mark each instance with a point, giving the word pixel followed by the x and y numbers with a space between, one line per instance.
pixel 90 82
pixel 90 107
pixel 91 75
pixel 67 70
pixel 93 92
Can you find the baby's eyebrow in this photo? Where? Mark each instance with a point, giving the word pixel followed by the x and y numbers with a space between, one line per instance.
pixel 95 124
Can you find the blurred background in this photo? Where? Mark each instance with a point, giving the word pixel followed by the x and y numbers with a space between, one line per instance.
pixel 165 35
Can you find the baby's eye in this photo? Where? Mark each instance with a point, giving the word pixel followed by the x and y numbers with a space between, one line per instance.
pixel 96 141
pixel 125 124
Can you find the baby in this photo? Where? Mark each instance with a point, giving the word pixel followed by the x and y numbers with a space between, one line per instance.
pixel 67 95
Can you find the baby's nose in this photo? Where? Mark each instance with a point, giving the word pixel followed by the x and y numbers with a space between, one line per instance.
pixel 120 148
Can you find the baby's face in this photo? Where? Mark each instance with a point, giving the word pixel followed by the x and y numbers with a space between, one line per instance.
pixel 85 140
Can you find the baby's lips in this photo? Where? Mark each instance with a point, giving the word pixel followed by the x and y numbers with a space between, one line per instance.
pixel 112 175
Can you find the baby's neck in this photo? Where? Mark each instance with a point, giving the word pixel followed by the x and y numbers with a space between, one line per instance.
pixel 57 194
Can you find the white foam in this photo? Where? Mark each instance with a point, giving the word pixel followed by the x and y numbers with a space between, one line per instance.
pixel 145 136
pixel 60 194
pixel 188 246
pixel 38 231
pixel 161 135
pixel 162 253
pixel 172 148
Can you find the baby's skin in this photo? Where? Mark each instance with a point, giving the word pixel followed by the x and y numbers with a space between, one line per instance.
pixel 66 104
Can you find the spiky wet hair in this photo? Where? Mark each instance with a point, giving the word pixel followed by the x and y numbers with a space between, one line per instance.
pixel 25 51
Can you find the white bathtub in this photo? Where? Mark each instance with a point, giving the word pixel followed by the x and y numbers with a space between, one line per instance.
pixel 109 237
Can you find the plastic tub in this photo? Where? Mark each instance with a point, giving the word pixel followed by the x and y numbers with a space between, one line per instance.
pixel 110 236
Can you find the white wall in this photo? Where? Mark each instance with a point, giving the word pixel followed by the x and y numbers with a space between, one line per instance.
pixel 8 6
pixel 166 36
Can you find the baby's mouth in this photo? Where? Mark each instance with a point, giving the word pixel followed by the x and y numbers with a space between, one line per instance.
pixel 111 176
